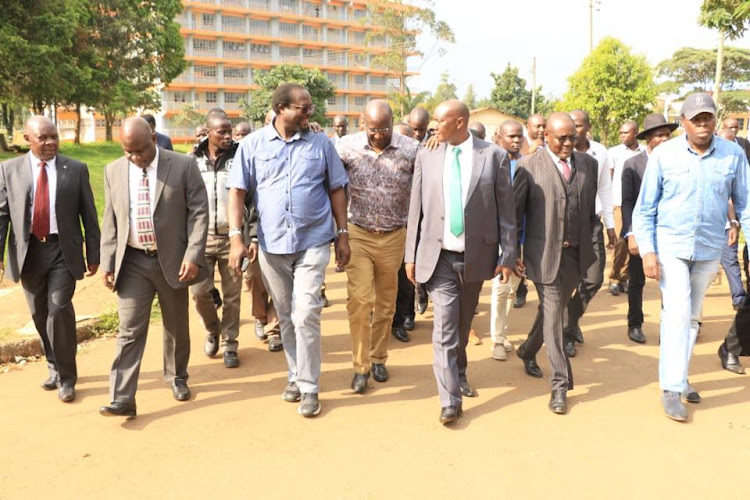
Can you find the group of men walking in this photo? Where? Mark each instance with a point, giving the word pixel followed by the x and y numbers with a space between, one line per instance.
pixel 410 214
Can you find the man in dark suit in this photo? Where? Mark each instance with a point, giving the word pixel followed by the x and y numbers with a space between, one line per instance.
pixel 162 140
pixel 153 243
pixel 555 190
pixel 44 199
pixel 655 131
pixel 462 193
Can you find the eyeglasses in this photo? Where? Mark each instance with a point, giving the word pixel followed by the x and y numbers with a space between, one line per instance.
pixel 567 138
pixel 379 130
pixel 306 109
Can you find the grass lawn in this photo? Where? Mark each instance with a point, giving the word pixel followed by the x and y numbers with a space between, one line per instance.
pixel 96 155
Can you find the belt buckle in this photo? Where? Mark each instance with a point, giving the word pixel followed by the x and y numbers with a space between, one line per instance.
pixel 566 244
pixel 149 252
pixel 42 240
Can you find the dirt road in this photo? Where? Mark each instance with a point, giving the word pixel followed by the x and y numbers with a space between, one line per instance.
pixel 236 438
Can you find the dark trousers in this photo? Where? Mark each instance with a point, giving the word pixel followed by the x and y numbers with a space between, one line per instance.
pixel 588 286
pixel 547 327
pixel 636 281
pixel 49 286
pixel 453 303
pixel 734 275
pixel 404 299
pixel 523 289
pixel 139 281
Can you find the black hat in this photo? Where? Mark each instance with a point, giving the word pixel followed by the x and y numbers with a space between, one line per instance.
pixel 652 122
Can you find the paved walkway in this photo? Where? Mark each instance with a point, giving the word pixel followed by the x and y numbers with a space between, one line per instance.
pixel 236 438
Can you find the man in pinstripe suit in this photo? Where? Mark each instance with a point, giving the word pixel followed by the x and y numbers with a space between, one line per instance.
pixel 555 190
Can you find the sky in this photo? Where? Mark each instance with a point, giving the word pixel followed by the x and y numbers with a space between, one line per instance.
pixel 492 33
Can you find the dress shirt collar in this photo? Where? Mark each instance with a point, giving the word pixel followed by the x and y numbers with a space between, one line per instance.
pixel 465 146
pixel 272 133
pixel 710 149
pixel 556 159
pixel 152 165
pixel 35 161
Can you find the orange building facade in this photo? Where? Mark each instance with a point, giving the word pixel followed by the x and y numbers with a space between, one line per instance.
pixel 229 42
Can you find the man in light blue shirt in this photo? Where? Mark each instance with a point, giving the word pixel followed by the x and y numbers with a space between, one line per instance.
pixel 297 181
pixel 678 222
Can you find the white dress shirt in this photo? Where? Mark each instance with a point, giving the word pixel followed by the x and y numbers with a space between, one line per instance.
pixel 51 169
pixel 135 174
pixel 604 202
pixel 616 158
pixel 466 158
pixel 556 161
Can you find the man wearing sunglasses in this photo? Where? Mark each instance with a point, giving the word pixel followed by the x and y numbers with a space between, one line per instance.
pixel 297 181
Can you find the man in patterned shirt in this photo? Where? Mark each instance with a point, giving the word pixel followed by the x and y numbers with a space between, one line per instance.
pixel 380 165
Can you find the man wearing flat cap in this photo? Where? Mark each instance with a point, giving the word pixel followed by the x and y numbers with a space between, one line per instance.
pixel 678 222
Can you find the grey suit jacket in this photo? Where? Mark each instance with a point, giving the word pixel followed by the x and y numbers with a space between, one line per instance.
pixel 74 205
pixel 632 175
pixel 489 218
pixel 180 216
pixel 540 198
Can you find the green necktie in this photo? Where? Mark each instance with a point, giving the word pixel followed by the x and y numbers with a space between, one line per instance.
pixel 456 204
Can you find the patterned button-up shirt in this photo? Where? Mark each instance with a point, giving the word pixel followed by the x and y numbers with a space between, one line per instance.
pixel 379 184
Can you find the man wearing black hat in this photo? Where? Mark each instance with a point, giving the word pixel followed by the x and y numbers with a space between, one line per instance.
pixel 678 222
pixel 655 131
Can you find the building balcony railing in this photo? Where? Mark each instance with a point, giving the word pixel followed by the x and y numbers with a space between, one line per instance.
pixel 232 106
pixel 337 107
pixel 176 106
pixel 313 36
pixel 233 3
pixel 205 53
pixel 259 4
pixel 260 56
pixel 231 28
pixel 238 80
pixel 235 54
pixel 205 79
pixel 179 132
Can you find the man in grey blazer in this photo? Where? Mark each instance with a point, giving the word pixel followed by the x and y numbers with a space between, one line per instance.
pixel 44 199
pixel 462 192
pixel 153 243
pixel 555 190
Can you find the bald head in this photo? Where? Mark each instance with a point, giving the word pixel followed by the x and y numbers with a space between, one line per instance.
pixel 477 129
pixel 340 125
pixel 378 123
pixel 418 120
pixel 628 131
pixel 510 137
pixel 403 129
pixel 535 126
pixel 452 118
pixel 138 141
pixel 42 136
pixel 731 124
pixel 560 135
pixel 378 109
pixel 241 130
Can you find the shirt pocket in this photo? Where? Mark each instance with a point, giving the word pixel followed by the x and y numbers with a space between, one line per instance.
pixel 722 177
pixel 311 165
pixel 677 179
pixel 266 166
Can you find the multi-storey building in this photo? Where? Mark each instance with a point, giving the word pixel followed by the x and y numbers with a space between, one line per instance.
pixel 229 42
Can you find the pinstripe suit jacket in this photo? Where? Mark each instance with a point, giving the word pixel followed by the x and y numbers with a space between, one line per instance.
pixel 541 198
pixel 180 216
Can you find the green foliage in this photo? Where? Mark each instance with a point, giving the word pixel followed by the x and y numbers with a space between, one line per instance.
pixel 406 101
pixel 470 98
pixel 730 17
pixel 189 117
pixel 320 88
pixel 445 90
pixel 613 85
pixel 692 69
pixel 510 94
pixel 107 323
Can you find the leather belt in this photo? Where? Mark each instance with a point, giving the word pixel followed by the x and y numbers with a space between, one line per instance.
pixel 50 238
pixel 377 231
pixel 148 252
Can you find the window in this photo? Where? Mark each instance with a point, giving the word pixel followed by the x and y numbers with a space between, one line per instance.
pixel 235 73
pixel 360 100
pixel 309 32
pixel 288 5
pixel 204 46
pixel 233 97
pixel 359 79
pixel 260 51
pixel 332 101
pixel 289 30
pixel 204 72
pixel 180 97
pixel 289 53
pixel 212 97
pixel 233 24
pixel 356 37
pixel 206 21
pixel 741 122
pixel 312 56
pixel 234 48
pixel 259 26
pixel 335 35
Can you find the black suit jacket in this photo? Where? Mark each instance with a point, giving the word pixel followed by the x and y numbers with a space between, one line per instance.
pixel 745 145
pixel 163 141
pixel 632 175
pixel 541 199
pixel 74 205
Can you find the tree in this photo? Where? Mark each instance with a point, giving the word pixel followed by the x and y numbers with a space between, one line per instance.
pixel 613 86
pixel 444 91
pixel 730 18
pixel 511 96
pixel 400 22
pixel 189 117
pixel 406 101
pixel 470 99
pixel 320 88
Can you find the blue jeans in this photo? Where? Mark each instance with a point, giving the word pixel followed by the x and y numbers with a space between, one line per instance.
pixel 734 275
pixel 683 286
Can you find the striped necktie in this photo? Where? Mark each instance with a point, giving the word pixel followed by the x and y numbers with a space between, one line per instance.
pixel 145 226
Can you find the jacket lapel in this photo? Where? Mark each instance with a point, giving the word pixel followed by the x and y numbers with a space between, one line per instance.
pixel 479 157
pixel 440 164
pixel 552 171
pixel 162 172
pixel 61 169
pixel 120 187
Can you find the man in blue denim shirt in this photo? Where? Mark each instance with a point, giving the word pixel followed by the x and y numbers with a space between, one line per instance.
pixel 297 181
pixel 678 223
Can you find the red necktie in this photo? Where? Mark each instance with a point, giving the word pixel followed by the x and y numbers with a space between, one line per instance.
pixel 565 170
pixel 40 219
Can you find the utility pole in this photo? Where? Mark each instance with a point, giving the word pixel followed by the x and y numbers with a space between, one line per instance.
pixel 591 26
pixel 533 86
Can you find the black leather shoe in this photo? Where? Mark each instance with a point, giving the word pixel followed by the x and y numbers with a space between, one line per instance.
pixel 400 333
pixel 569 346
pixel 67 393
pixel 231 360
pixel 636 335
pixel 211 347
pixel 450 414
pixel 50 384
pixel 216 296
pixel 578 335
pixel 180 390
pixel 467 390
pixel 118 409
pixel 359 383
pixel 519 302
pixel 529 365
pixel 729 361
pixel 409 323
pixel 275 344
pixel 421 307
pixel 379 372
pixel 558 402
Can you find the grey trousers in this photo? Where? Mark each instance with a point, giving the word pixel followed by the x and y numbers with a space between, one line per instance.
pixel 454 303
pixel 49 286
pixel 217 255
pixel 294 282
pixel 547 327
pixel 140 279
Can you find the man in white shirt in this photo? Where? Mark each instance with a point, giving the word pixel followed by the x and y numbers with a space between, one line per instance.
pixel 616 158
pixel 592 281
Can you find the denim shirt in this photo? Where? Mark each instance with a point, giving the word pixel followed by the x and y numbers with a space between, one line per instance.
pixel 289 181
pixel 682 206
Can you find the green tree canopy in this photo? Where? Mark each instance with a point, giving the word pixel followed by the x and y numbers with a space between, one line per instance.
pixel 510 94
pixel 320 88
pixel 612 85
pixel 445 90
pixel 470 98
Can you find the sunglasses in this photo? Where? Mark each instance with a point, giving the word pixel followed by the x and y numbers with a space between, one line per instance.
pixel 308 110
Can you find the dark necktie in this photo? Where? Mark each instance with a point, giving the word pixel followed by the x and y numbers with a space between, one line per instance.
pixel 40 219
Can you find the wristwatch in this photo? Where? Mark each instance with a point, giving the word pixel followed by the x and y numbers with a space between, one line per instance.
pixel 234 232
pixel 342 231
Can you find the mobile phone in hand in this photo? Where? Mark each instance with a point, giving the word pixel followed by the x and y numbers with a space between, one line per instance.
pixel 245 264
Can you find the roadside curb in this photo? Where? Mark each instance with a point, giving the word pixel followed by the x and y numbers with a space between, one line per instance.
pixel 33 346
